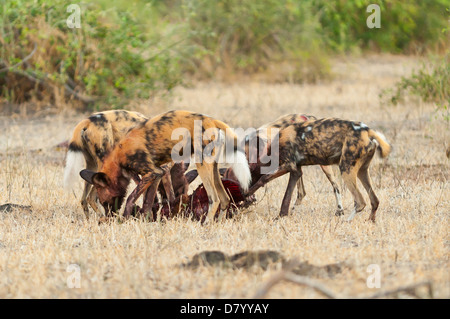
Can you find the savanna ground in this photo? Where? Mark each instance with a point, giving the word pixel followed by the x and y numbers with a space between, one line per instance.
pixel 409 242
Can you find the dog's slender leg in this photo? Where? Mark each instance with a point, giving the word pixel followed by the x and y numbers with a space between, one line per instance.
pixel 223 196
pixel 178 179
pixel 92 200
pixel 207 177
pixel 90 193
pixel 88 189
pixel 138 191
pixel 293 178
pixel 349 166
pixel 300 191
pixel 337 194
pixel 264 180
pixel 185 183
pixel 364 177
pixel 350 180
pixel 167 183
pixel 191 175
pixel 84 202
pixel 146 181
pixel 147 206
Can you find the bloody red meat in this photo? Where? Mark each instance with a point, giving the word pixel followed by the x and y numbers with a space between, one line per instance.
pixel 196 204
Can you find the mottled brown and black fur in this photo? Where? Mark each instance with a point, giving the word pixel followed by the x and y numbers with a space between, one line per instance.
pixel 255 167
pixel 351 145
pixel 280 124
pixel 144 151
pixel 94 138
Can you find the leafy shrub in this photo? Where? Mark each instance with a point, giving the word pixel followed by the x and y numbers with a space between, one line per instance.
pixel 250 36
pixel 107 61
pixel 247 35
pixel 408 26
pixel 431 83
pixel 128 49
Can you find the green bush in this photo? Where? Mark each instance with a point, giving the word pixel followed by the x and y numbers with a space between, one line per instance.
pixel 251 35
pixel 110 59
pixel 130 49
pixel 407 26
pixel 431 83
pixel 247 35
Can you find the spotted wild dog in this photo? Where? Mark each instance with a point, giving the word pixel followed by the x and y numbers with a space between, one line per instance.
pixel 255 166
pixel 325 142
pixel 92 139
pixel 153 143
pixel 281 123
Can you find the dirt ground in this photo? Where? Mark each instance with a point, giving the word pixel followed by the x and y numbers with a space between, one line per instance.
pixel 47 245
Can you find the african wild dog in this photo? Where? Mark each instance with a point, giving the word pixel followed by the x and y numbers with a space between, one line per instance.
pixel 349 144
pixel 281 123
pixel 150 145
pixel 255 168
pixel 93 138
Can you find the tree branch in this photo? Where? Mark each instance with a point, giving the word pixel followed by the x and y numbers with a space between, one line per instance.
pixel 21 62
pixel 67 92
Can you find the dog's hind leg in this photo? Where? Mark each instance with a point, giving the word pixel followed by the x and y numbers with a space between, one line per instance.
pixel 364 177
pixel 300 191
pixel 349 178
pixel 167 183
pixel 205 170
pixel 337 194
pixel 223 196
pixel 149 199
pixel 293 178
pixel 349 165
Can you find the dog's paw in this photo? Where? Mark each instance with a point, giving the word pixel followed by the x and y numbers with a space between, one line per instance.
pixel 250 200
pixel 339 212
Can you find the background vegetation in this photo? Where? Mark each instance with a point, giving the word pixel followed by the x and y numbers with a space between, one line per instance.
pixel 138 48
pixel 430 83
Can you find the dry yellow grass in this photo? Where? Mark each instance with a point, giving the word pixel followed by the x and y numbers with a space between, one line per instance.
pixel 410 241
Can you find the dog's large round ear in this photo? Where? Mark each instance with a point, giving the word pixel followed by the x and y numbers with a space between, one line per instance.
pixel 98 179
pixel 87 175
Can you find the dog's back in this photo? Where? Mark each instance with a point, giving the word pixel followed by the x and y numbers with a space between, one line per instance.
pixel 154 141
pixel 323 141
pixel 286 120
